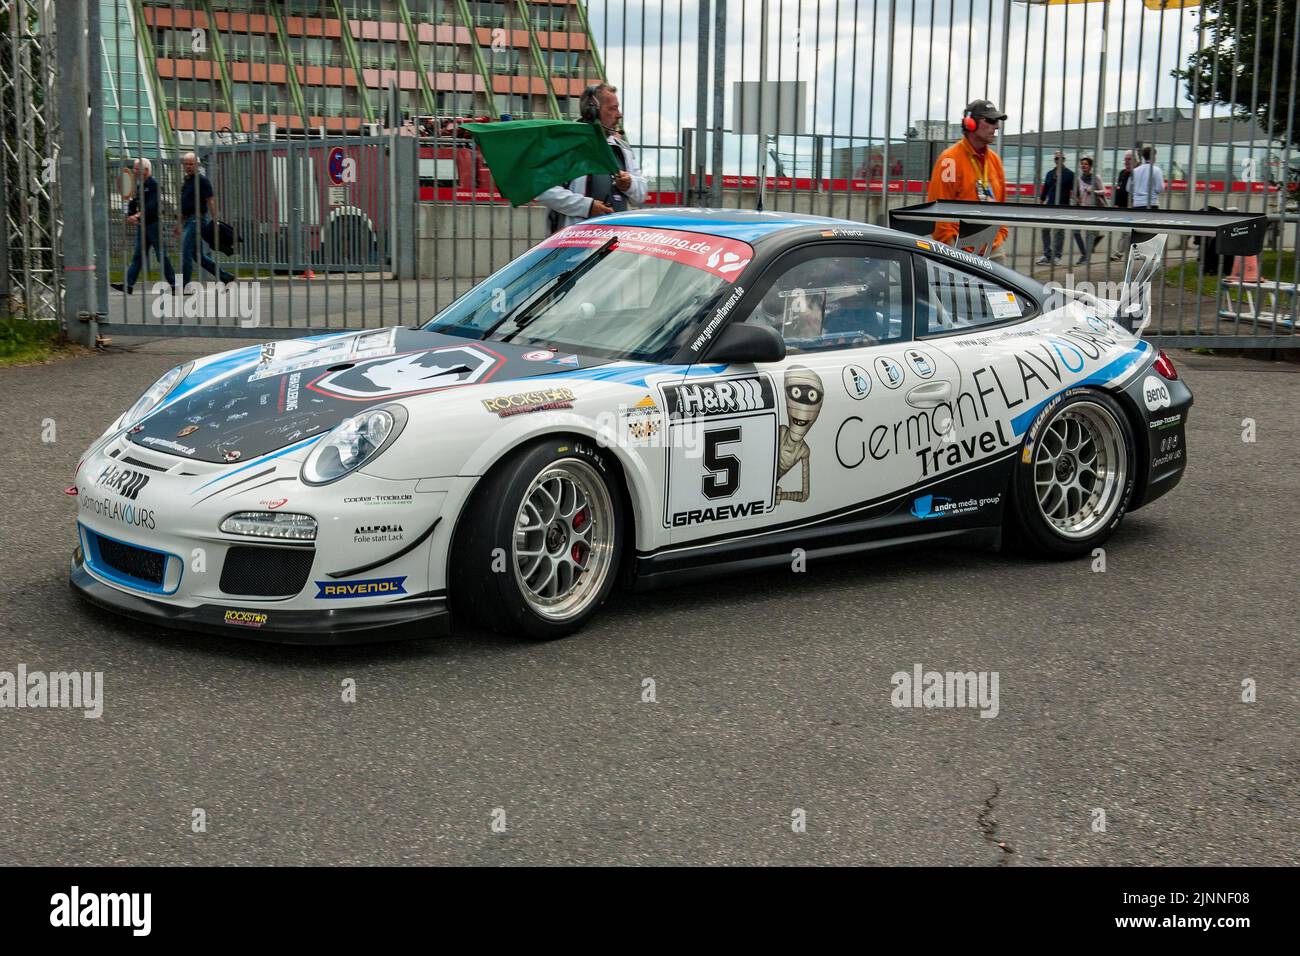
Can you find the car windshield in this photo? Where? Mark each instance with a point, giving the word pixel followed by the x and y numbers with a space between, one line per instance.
pixel 621 292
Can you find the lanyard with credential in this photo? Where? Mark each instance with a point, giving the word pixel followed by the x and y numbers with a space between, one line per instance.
pixel 983 187
pixel 983 190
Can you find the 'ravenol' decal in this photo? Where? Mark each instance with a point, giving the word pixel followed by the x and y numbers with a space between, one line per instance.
pixel 374 587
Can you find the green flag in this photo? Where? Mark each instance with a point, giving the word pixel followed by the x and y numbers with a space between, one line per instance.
pixel 528 157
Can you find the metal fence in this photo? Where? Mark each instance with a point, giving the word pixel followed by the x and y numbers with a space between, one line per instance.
pixel 834 107
pixel 286 216
pixel 30 277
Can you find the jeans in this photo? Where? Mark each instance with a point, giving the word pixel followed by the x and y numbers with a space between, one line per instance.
pixel 192 248
pixel 146 238
pixel 1053 241
pixel 1084 241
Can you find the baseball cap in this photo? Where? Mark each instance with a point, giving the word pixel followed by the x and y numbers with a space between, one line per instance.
pixel 984 109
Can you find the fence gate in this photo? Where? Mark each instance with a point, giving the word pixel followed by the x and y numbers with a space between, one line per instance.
pixel 318 234
pixel 306 206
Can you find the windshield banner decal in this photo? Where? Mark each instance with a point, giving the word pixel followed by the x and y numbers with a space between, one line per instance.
pixel 724 258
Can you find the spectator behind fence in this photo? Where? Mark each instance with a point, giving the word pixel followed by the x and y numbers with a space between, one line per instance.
pixel 1122 201
pixel 142 212
pixel 198 206
pixel 1058 190
pixel 1089 193
pixel 599 195
pixel 970 170
pixel 1147 182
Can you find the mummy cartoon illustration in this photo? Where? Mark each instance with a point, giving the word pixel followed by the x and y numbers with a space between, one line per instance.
pixel 803 403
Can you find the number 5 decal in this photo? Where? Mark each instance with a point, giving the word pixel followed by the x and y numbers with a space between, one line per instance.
pixel 724 470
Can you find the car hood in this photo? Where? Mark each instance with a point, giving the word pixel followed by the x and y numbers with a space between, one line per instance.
pixel 251 402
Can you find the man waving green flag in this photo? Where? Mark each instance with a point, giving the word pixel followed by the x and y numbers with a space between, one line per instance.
pixel 528 157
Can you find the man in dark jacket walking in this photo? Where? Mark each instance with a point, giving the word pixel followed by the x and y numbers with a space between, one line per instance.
pixel 198 207
pixel 145 204
pixel 1058 190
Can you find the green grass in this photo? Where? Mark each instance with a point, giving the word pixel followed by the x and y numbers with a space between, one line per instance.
pixel 1272 265
pixel 22 341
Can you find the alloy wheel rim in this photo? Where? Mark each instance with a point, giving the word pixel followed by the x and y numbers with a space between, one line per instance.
pixel 564 540
pixel 1080 469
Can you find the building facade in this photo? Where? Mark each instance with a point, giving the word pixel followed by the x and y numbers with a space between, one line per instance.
pixel 189 72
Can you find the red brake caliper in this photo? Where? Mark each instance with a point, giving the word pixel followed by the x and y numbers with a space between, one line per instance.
pixel 579 522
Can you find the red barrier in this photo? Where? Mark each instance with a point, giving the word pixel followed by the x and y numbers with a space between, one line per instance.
pixel 915 187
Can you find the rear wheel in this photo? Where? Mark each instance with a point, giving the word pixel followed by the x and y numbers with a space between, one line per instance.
pixel 537 551
pixel 1075 476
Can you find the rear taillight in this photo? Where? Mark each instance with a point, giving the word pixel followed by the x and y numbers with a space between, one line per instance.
pixel 1165 366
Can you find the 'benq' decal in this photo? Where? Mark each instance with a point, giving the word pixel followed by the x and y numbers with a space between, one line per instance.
pixel 410 373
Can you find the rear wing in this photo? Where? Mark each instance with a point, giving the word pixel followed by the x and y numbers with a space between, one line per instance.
pixel 1235 234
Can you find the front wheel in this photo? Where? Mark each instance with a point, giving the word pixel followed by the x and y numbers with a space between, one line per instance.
pixel 1074 479
pixel 538 548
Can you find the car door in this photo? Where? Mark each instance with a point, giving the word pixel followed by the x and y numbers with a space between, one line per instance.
pixel 980 322
pixel 825 434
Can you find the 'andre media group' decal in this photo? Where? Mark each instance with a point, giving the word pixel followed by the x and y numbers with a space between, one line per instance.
pixel 981 420
pixel 932 506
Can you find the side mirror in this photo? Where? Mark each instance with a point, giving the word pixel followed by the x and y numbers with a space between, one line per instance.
pixel 741 344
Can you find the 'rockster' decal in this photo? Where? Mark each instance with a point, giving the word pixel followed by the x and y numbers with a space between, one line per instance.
pixel 543 399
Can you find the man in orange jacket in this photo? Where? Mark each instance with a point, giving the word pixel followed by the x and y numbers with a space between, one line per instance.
pixel 970 170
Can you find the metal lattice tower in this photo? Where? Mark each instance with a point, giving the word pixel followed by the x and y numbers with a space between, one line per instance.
pixel 30 276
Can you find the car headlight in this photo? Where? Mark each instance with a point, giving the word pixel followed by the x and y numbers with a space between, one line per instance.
pixel 353 442
pixel 156 392
pixel 271 524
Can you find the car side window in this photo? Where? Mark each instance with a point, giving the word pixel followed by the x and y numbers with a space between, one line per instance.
pixel 836 302
pixel 956 301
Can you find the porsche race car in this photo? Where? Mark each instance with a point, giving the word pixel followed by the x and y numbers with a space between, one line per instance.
pixel 639 399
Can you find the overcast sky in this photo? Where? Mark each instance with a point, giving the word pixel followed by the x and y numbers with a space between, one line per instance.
pixel 946 52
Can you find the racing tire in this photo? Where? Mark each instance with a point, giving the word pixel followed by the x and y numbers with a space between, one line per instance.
pixel 540 545
pixel 1074 478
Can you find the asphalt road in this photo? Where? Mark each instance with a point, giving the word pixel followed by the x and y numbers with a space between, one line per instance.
pixel 1119 691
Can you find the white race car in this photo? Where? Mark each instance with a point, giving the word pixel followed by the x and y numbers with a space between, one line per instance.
pixel 638 399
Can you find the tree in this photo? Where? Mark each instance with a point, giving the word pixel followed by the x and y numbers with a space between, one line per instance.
pixel 1232 31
